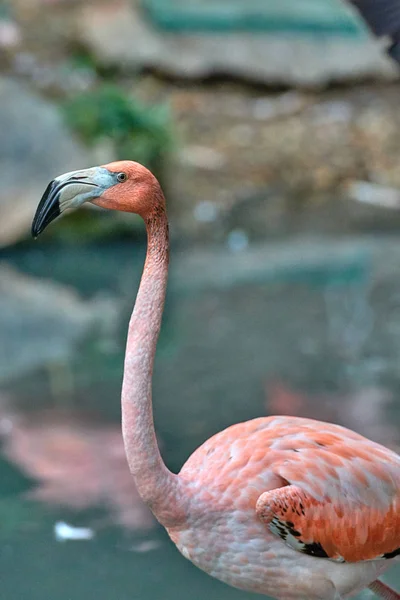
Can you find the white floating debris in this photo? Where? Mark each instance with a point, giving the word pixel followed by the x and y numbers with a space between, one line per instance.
pixel 374 194
pixel 205 212
pixel 237 240
pixel 64 532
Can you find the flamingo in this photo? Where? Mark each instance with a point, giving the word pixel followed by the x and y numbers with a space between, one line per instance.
pixel 283 506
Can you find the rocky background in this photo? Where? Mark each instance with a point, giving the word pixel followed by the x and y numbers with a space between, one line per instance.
pixel 291 149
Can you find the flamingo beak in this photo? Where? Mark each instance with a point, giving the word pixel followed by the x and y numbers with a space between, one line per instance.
pixel 70 190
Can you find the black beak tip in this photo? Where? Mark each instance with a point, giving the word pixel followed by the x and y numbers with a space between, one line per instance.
pixel 34 232
pixel 36 228
pixel 47 210
pixel 40 223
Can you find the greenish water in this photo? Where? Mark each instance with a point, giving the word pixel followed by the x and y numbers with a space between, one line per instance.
pixel 34 566
pixel 218 352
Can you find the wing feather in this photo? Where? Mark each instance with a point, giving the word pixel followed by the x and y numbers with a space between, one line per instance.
pixel 342 498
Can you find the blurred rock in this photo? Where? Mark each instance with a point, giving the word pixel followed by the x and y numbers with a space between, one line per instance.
pixel 202 158
pixel 289 172
pixel 78 461
pixel 10 34
pixel 119 34
pixel 35 146
pixel 41 322
pixel 367 192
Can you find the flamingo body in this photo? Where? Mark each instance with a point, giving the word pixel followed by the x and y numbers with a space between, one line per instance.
pixel 339 491
pixel 289 507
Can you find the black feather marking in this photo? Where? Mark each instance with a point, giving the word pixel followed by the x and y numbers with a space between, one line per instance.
pixel 314 549
pixel 392 554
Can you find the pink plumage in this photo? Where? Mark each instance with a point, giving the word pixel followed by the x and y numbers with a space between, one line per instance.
pixel 292 507
pixel 284 506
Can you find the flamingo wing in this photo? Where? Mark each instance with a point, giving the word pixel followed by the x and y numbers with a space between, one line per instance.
pixel 342 498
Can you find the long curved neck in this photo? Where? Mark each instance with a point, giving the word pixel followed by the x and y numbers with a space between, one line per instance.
pixel 157 486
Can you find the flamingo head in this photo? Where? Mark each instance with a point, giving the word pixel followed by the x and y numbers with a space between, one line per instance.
pixel 123 185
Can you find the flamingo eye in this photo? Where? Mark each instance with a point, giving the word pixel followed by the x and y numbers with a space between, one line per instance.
pixel 122 177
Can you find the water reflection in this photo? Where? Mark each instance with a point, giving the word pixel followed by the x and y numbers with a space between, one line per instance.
pixel 350 318
pixel 226 353
pixel 77 461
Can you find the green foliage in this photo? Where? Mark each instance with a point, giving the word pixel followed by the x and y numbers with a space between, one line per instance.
pixel 137 132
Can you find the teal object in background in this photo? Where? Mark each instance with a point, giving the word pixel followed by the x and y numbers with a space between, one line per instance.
pixel 328 17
